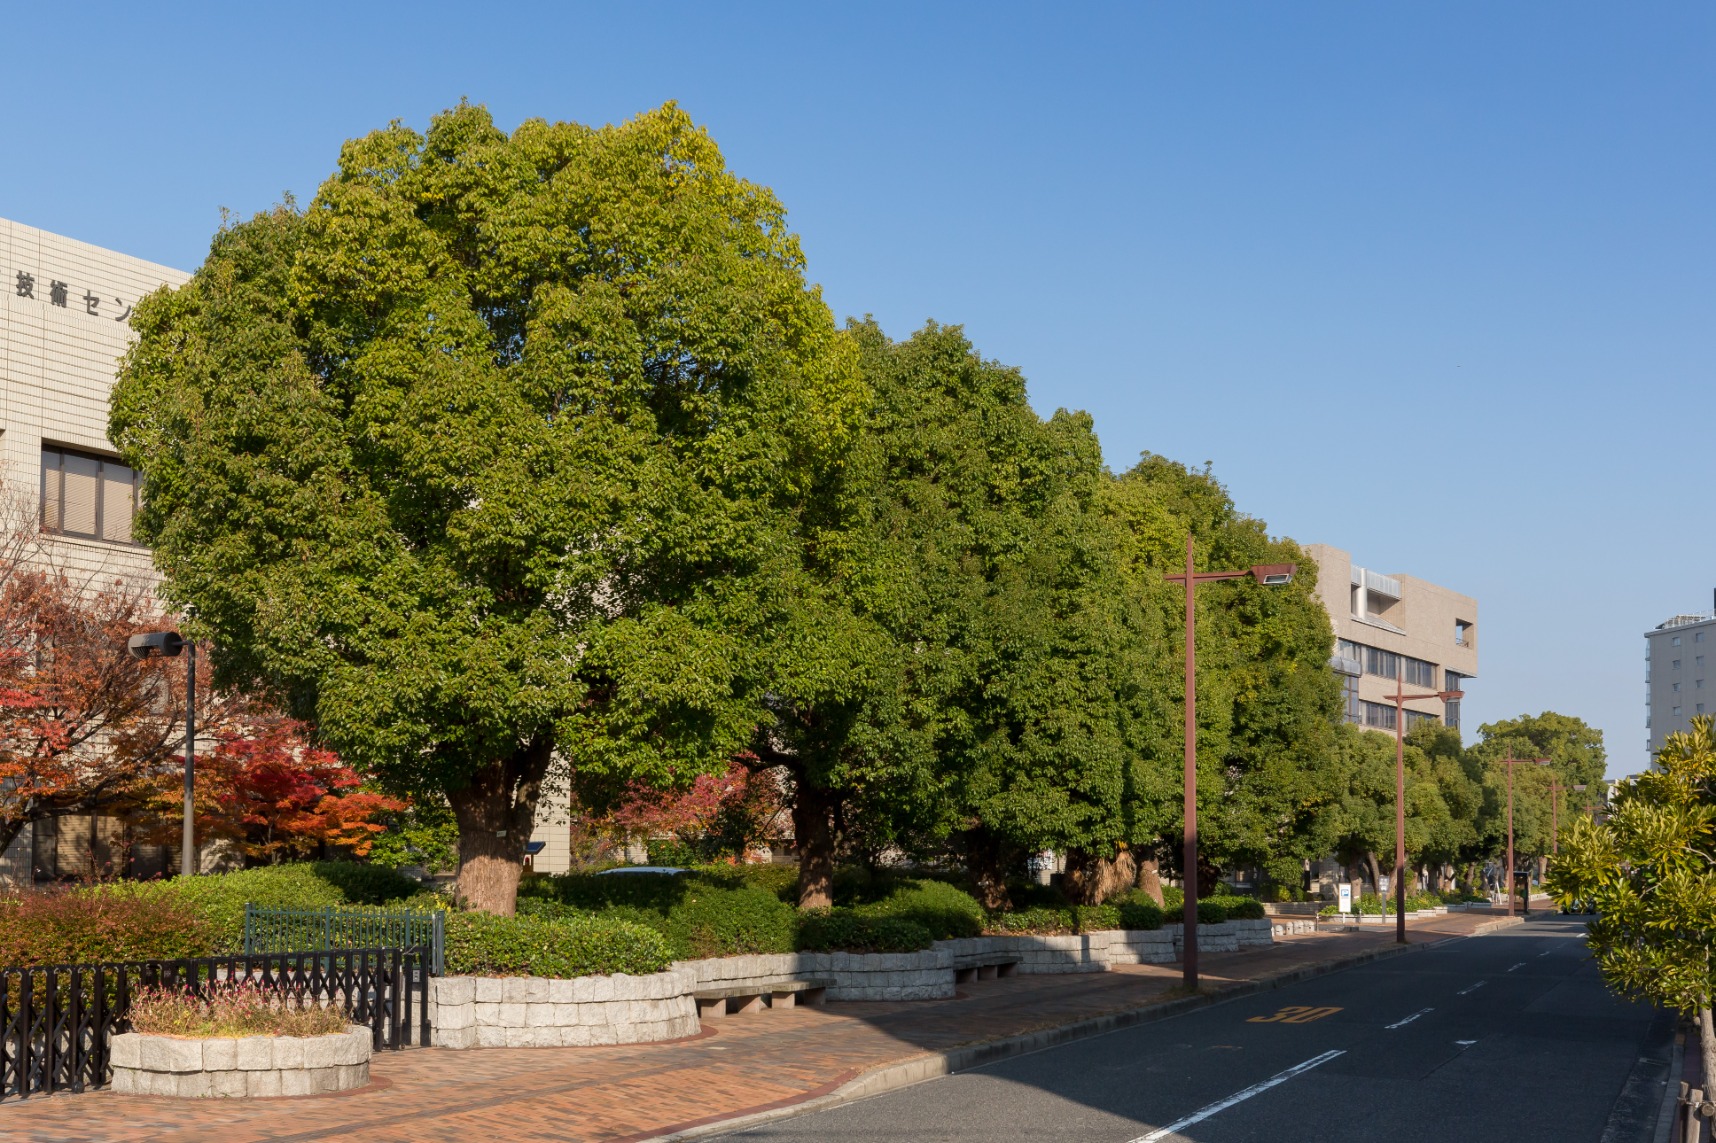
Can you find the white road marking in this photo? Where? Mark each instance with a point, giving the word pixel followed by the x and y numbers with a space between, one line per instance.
pixel 1465 1043
pixel 1545 952
pixel 1473 988
pixel 1521 964
pixel 1408 1020
pixel 1237 1097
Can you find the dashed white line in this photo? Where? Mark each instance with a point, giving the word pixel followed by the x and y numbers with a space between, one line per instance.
pixel 1237 1097
pixel 1465 1043
pixel 1408 1020
pixel 1471 988
pixel 1521 964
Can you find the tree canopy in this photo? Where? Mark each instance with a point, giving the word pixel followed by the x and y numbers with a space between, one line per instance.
pixel 481 458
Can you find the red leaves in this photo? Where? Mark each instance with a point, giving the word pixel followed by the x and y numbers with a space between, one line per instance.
pixel 271 793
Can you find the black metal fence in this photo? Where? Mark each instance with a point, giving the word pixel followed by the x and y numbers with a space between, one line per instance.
pixel 57 1021
pixel 276 930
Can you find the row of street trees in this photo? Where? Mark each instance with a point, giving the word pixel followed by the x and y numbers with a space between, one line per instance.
pixel 525 458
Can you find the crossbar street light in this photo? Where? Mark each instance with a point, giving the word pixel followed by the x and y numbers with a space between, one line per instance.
pixel 1400 698
pixel 1510 762
pixel 1555 787
pixel 1267 575
pixel 168 644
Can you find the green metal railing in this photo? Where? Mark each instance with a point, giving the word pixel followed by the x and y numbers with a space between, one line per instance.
pixel 268 929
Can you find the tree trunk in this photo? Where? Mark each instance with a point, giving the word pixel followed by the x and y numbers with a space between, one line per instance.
pixel 1375 871
pixel 813 829
pixel 1707 1041
pixel 496 812
pixel 1150 879
pixel 1091 880
pixel 988 860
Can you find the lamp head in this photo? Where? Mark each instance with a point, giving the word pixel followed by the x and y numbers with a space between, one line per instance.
pixel 1273 575
pixel 164 643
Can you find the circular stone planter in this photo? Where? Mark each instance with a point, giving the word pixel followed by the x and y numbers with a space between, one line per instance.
pixel 238 1067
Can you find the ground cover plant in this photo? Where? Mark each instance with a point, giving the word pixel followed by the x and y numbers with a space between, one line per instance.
pixel 230 1010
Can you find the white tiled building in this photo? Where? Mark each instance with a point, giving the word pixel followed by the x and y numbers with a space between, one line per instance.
pixel 64 310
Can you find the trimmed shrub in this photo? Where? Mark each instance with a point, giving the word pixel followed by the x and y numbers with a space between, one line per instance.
pixel 947 912
pixel 1239 908
pixel 843 930
pixel 1211 912
pixel 481 944
pixel 1173 900
pixel 1144 914
pixel 713 920
pixel 781 880
pixel 78 928
pixel 1039 921
pixel 219 898
pixel 702 913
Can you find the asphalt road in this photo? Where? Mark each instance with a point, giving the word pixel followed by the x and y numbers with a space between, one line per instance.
pixel 1509 1037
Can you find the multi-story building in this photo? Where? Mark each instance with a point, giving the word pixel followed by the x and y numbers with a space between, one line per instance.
pixel 64 323
pixel 1390 627
pixel 1678 683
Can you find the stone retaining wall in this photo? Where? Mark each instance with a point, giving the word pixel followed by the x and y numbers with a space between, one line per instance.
pixel 536 1012
pixel 247 1066
pixel 471 1012
pixel 926 975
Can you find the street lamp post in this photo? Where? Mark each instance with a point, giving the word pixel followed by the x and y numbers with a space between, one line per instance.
pixel 1510 762
pixel 1400 698
pixel 168 644
pixel 1268 575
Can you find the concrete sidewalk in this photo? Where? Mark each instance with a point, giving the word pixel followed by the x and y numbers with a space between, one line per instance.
pixel 743 1069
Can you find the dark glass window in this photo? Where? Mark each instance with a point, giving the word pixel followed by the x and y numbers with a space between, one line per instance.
pixel 1378 715
pixel 87 495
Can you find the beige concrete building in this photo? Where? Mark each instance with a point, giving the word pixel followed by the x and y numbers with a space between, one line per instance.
pixel 1389 626
pixel 64 323
pixel 1680 681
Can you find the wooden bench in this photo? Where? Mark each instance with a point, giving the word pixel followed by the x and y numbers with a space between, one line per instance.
pixel 970 968
pixel 750 996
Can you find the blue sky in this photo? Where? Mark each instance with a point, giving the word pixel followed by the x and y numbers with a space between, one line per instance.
pixel 1432 283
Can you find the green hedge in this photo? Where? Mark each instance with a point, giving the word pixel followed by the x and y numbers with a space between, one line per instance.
pixel 480 944
pixel 704 913
pixel 945 911
pixel 1238 908
pixel 843 930
pixel 219 898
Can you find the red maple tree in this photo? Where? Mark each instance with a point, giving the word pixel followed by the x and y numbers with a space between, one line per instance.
pixel 85 727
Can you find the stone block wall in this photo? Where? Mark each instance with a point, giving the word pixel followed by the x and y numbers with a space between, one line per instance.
pixel 536 1012
pixel 924 975
pixel 251 1066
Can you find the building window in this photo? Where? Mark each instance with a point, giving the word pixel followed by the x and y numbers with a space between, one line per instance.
pixel 1462 632
pixel 1453 681
pixel 1697 684
pixel 87 495
pixel 1383 663
pixel 1675 641
pixel 1698 636
pixel 1379 716
pixel 1698 660
pixel 1700 708
pixel 1674 666
pixel 1349 688
pixel 1418 672
pixel 1347 649
pixel 1676 687
pixel 1415 718
pixel 1675 712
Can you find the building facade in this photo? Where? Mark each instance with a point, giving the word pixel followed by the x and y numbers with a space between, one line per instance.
pixel 1678 683
pixel 1395 626
pixel 65 309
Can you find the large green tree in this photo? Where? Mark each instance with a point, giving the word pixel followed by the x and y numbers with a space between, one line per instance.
pixel 484 460
pixel 1649 874
pixel 1267 702
pixel 1576 758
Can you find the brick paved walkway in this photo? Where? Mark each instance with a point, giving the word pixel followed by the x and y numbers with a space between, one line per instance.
pixel 739 1066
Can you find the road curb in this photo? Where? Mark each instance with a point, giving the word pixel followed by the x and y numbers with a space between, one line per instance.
pixel 933 1065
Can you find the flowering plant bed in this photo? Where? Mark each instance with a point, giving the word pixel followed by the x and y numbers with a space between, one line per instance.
pixel 237 1041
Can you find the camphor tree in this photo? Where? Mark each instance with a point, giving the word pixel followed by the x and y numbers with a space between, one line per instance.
pixel 1649 874
pixel 481 463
